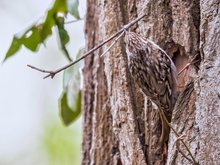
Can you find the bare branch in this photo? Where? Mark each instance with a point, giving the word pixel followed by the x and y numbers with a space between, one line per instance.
pixel 113 43
pixel 53 73
pixel 38 69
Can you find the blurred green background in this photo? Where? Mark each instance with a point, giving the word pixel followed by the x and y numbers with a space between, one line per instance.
pixel 31 131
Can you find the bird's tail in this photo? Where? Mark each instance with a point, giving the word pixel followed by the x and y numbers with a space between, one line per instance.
pixel 165 128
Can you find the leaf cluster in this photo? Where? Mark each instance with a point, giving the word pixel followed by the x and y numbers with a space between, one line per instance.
pixel 36 35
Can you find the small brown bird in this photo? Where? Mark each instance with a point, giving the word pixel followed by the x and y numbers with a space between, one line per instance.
pixel 155 73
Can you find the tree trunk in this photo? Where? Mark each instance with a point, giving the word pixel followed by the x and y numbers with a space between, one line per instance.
pixel 121 126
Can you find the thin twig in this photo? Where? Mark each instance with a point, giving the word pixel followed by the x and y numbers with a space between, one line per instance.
pixel 73 21
pixel 53 73
pixel 113 43
pixel 179 148
pixel 185 145
pixel 184 68
pixel 41 70
pixel 192 62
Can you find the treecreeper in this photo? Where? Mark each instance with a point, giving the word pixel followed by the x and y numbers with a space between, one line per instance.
pixel 155 74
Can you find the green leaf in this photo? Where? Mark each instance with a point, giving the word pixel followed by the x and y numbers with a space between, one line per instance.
pixel 47 25
pixel 71 83
pixel 63 36
pixel 32 42
pixel 15 46
pixel 72 73
pixel 60 6
pixel 68 75
pixel 71 97
pixel 73 8
pixel 68 113
pixel 37 33
pixel 30 38
pixel 79 54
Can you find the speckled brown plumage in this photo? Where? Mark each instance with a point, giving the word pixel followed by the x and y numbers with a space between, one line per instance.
pixel 154 72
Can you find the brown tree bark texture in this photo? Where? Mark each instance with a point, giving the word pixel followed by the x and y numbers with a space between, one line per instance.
pixel 121 126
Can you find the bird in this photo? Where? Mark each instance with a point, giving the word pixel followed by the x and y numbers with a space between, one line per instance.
pixel 155 74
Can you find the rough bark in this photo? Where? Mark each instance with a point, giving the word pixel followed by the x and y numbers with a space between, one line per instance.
pixel 121 126
pixel 207 85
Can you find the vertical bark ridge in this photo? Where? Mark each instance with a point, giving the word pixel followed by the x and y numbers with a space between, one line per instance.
pixel 207 84
pixel 88 93
pixel 121 89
